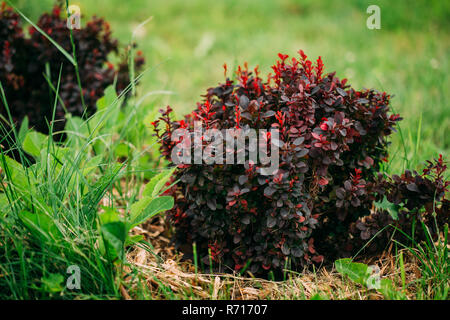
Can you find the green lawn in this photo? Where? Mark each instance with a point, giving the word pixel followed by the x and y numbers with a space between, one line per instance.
pixel 187 43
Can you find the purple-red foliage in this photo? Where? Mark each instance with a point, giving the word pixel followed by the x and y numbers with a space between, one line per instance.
pixel 333 140
pixel 415 198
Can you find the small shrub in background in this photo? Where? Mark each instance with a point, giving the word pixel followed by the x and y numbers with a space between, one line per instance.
pixel 333 141
pixel 26 59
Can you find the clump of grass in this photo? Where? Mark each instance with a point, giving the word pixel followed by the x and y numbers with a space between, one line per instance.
pixel 433 259
pixel 51 219
pixel 67 205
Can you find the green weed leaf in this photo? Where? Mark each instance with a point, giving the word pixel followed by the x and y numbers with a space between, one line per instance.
pixel 34 142
pixel 52 283
pixel 115 234
pixel 41 223
pixel 156 184
pixel 146 208
pixel 357 272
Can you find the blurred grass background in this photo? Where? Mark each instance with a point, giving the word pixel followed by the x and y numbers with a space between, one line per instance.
pixel 187 43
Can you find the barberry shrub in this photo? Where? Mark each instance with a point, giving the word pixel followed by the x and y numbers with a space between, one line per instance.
pixel 26 59
pixel 332 141
pixel 410 208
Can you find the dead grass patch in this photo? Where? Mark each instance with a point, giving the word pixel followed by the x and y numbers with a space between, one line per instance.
pixel 166 276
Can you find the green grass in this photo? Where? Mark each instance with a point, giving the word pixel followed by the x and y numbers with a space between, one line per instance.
pixel 70 207
pixel 48 221
pixel 187 43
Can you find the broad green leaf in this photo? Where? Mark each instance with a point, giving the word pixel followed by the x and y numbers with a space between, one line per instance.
pixel 389 207
pixel 52 283
pixel 23 130
pixel 40 222
pixel 92 164
pixel 76 130
pixel 357 272
pixel 138 207
pixel 115 234
pixel 157 183
pixel 34 143
pixel 145 164
pixel 108 99
pixel 121 150
pixel 4 205
pixel 53 158
pixel 134 239
pixel 361 273
pixel 108 103
pixel 15 170
pixel 146 208
pixel 109 215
